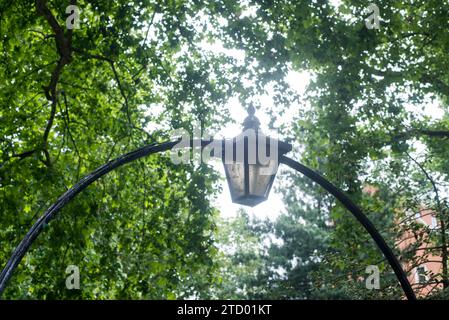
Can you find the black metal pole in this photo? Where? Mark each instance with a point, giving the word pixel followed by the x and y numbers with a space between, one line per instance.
pixel 362 218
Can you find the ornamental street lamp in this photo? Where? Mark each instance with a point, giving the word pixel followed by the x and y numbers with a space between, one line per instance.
pixel 251 163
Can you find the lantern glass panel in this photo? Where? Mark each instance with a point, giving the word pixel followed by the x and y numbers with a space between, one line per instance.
pixel 261 178
pixel 236 178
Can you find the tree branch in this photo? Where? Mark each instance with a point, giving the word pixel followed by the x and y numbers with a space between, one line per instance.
pixel 119 84
pixel 23 155
pixel 434 133
pixel 64 47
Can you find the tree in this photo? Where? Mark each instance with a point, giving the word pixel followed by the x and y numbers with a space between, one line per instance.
pixel 359 112
pixel 71 100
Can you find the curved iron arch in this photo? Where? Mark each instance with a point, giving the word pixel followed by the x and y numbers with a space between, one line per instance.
pixel 50 213
pixel 361 217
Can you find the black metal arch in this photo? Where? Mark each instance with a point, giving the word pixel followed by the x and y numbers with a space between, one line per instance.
pixel 50 213
pixel 361 217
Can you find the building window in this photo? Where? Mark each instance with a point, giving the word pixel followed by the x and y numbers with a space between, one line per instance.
pixel 421 276
pixel 433 222
pixel 418 217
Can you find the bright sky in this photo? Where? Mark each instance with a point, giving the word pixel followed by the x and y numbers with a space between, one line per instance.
pixel 297 81
pixel 274 205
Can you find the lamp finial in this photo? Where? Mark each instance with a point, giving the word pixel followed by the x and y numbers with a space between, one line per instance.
pixel 251 121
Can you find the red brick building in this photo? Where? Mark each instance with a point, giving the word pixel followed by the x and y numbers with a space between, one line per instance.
pixel 429 263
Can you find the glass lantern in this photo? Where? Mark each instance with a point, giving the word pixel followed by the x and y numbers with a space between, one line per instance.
pixel 251 161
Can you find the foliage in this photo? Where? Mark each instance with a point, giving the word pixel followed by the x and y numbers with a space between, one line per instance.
pixel 361 124
pixel 73 99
